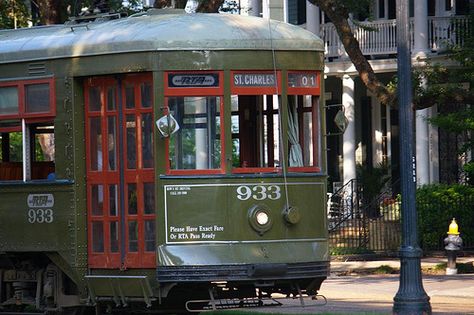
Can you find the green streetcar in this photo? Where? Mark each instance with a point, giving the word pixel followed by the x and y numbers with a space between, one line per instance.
pixel 163 161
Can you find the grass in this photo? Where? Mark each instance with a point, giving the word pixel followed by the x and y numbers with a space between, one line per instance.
pixel 385 269
pixel 337 251
pixel 463 268
pixel 439 269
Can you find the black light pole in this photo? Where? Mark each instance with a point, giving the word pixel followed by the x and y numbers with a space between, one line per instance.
pixel 411 298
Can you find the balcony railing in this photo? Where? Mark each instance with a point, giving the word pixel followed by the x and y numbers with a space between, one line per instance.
pixel 380 37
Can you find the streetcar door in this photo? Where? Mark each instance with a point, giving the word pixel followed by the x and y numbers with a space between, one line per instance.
pixel 120 172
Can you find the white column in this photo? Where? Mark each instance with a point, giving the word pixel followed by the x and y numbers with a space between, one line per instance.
pixel 312 18
pixel 423 161
pixel 202 153
pixel 422 148
pixel 376 132
pixel 349 137
pixel 421 27
pixel 266 9
pixel 433 147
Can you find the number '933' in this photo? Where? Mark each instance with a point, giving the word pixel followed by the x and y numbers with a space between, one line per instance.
pixel 40 216
pixel 259 192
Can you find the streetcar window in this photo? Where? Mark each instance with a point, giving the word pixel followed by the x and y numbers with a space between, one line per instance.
pixel 149 198
pixel 97 237
pixel 9 100
pixel 303 88
pixel 11 146
pixel 197 145
pixel 27 146
pixel 131 135
pixel 37 98
pixel 43 151
pixel 25 99
pixel 43 143
pixel 150 235
pixel 132 236
pixel 114 237
pixel 255 131
pixel 302 131
pixel 11 156
pixel 97 199
pixel 40 162
pixel 146 94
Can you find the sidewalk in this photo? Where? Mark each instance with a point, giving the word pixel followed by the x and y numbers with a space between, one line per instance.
pixel 361 292
pixel 428 262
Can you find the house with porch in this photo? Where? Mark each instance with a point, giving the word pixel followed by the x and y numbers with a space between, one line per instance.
pixel 371 136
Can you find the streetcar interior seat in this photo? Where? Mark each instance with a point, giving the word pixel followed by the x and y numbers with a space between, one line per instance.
pixel 11 171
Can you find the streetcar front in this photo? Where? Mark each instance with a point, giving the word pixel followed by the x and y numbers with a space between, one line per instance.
pixel 243 186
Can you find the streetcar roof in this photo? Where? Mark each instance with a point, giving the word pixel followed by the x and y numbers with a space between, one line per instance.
pixel 151 31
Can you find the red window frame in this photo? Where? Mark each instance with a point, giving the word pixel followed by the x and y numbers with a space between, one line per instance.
pixel 10 129
pixel 217 91
pixel 22 114
pixel 138 176
pixel 314 109
pixel 106 177
pixel 256 90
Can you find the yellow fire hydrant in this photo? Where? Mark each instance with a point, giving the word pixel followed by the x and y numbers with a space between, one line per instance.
pixel 453 245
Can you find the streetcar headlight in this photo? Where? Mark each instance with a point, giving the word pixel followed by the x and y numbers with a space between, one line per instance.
pixel 262 218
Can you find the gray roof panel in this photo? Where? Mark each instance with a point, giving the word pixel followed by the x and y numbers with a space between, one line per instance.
pixel 154 32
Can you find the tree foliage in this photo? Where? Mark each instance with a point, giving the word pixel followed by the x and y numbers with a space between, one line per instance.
pixel 13 13
pixel 437 205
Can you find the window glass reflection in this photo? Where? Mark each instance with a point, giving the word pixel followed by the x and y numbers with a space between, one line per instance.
pixel 197 144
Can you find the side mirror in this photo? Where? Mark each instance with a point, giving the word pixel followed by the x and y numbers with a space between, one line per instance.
pixel 167 125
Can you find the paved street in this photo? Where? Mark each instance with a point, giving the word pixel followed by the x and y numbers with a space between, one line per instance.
pixel 374 293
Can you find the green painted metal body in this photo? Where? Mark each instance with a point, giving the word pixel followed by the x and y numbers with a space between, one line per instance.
pixel 207 224
pixel 200 220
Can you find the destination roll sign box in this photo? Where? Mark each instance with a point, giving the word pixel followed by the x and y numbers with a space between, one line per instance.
pixel 193 80
pixel 306 79
pixel 254 79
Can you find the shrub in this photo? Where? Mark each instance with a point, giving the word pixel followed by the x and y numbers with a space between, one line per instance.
pixel 437 205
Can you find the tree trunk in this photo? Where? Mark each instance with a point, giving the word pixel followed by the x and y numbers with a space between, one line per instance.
pixel 176 4
pixel 209 6
pixel 52 11
pixel 340 18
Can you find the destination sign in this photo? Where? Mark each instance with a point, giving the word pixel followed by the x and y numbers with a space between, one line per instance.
pixel 302 80
pixel 254 79
pixel 193 80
